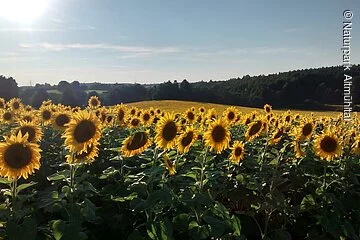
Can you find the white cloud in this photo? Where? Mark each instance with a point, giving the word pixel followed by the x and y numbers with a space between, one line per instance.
pixel 99 46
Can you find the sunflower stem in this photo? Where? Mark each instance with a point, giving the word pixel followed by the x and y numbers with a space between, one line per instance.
pixel 324 183
pixel 13 186
pixel 155 156
pixel 202 170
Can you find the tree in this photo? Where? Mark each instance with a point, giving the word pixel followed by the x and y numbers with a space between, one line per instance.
pixel 8 88
pixel 39 96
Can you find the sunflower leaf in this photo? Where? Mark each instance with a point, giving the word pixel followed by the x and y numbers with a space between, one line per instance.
pixel 24 186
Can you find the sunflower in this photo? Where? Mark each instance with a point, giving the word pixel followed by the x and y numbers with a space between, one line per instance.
pixel 94 102
pixel 254 130
pixel 83 130
pixel 18 157
pixel 15 104
pixel 327 146
pixel 190 115
pixel 217 136
pixel 146 118
pixel 133 111
pixel 186 140
pixel 170 166
pixel 276 136
pixel 121 113
pixel 59 120
pixel 230 115
pixel 237 152
pixel 267 108
pixel 135 144
pixel 88 156
pixel 201 110
pixel 247 120
pixel 166 131
pixel 8 116
pixel 33 130
pixel 306 130
pixel 134 122
pixel 45 114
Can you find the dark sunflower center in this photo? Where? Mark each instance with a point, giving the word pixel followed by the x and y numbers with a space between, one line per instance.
pixel 121 115
pixel 218 133
pixel 267 109
pixel 16 105
pixel 138 141
pixel 62 119
pixel 287 119
pixel 146 117
pixel 190 115
pixel 328 144
pixel 247 121
pixel 109 118
pixel 17 155
pixel 7 116
pixel 84 131
pixel 358 145
pixel 202 110
pixel 29 130
pixel 2 105
pixel 133 112
pixel 231 115
pixel 307 129
pixel 135 122
pixel 183 121
pixel 46 115
pixel 185 141
pixel 103 117
pixel 169 131
pixel 255 128
pixel 94 102
pixel 238 151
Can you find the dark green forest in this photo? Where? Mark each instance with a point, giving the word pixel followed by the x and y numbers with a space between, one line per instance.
pixel 315 89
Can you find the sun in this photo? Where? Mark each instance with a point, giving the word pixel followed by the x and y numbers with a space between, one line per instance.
pixel 22 11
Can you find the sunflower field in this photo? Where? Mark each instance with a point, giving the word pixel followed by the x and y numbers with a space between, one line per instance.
pixel 121 172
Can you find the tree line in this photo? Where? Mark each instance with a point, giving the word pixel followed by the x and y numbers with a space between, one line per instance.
pixel 320 88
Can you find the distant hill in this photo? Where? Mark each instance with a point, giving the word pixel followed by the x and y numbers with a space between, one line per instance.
pixel 313 89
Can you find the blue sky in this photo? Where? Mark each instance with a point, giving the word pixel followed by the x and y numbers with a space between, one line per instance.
pixel 147 41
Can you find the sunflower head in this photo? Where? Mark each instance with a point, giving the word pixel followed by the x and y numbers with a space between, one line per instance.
pixel 136 144
pixel 217 136
pixel 237 152
pixel 82 131
pixel 146 118
pixel 94 102
pixel 15 104
pixel 230 115
pixel 166 131
pixel 60 119
pixel 134 122
pixel 327 146
pixel 186 140
pixel 276 136
pixel 267 108
pixel 8 116
pixel 32 130
pixel 254 130
pixel 18 157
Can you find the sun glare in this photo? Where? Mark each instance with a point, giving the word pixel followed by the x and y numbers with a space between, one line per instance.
pixel 22 11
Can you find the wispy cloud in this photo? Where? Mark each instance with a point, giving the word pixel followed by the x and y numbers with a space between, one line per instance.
pixel 99 46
